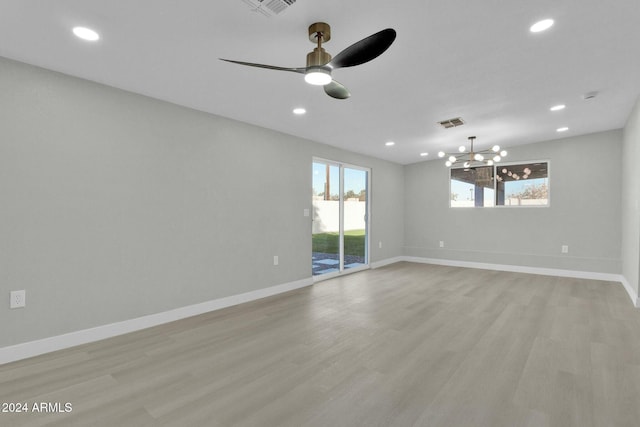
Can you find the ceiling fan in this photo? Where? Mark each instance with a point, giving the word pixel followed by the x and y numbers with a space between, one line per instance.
pixel 320 64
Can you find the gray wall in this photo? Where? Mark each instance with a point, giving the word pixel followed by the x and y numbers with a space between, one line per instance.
pixel 630 200
pixel 584 212
pixel 115 205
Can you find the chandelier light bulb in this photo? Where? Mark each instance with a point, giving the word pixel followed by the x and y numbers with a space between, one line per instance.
pixel 448 163
pixel 479 156
pixel 525 176
pixel 509 173
pixel 504 170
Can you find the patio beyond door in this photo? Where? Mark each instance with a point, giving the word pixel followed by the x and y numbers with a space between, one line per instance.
pixel 340 218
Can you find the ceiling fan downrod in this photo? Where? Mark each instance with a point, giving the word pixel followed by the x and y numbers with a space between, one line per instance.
pixel 318 33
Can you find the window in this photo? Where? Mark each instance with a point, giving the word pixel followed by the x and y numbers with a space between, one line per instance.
pixel 472 187
pixel 521 184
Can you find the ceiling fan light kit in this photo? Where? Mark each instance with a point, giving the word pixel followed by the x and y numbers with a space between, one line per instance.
pixel 320 64
pixel 317 76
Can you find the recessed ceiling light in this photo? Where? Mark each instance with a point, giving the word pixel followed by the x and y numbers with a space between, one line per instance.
pixel 299 111
pixel 557 107
pixel 389 143
pixel 424 154
pixel 562 129
pixel 545 24
pixel 86 34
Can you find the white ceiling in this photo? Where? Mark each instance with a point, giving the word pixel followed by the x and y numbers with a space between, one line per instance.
pixel 473 59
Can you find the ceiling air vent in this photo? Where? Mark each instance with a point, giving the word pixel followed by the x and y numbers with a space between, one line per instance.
pixel 451 123
pixel 269 7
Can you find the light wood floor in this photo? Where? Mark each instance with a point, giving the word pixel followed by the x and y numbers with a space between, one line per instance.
pixel 404 345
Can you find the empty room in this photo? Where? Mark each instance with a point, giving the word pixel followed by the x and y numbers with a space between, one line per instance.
pixel 319 213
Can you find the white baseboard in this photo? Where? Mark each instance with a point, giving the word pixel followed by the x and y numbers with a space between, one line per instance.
pixel 609 277
pixel 59 342
pixel 518 269
pixel 387 261
pixel 631 292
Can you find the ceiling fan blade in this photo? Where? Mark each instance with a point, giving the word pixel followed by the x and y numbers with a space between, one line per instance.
pixel 365 50
pixel 336 90
pixel 269 67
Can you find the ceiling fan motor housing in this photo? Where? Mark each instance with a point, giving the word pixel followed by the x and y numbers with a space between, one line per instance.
pixel 318 57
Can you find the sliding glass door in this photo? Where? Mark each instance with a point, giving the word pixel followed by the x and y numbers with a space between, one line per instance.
pixel 340 218
pixel 354 218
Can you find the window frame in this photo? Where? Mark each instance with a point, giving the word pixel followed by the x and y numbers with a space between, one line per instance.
pixel 495 167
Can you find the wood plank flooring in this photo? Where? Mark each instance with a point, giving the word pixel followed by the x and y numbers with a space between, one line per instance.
pixel 403 345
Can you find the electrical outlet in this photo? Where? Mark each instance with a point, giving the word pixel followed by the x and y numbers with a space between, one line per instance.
pixel 18 299
pixel 275 260
pixel 380 244
pixel 441 243
pixel 565 249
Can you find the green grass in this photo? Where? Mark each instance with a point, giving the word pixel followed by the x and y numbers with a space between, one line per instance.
pixel 328 242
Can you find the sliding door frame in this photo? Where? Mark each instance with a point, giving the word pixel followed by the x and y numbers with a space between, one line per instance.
pixel 367 245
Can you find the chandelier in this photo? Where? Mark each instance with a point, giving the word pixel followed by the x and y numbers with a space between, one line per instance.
pixel 474 158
